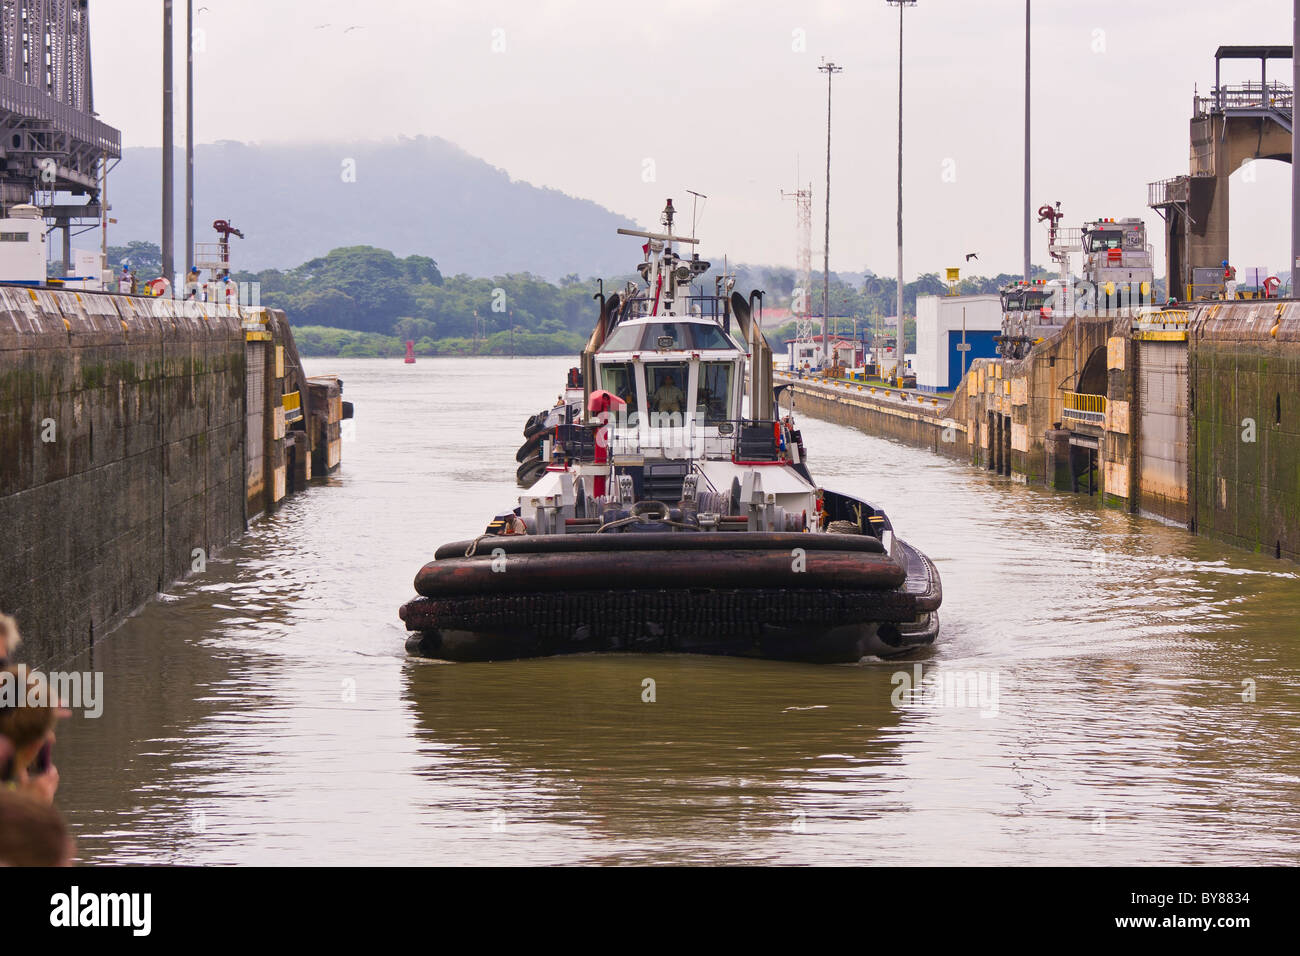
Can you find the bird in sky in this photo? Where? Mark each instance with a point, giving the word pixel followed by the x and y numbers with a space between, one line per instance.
pixel 970 256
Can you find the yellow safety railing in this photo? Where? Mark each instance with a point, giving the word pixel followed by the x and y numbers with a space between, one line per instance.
pixel 1080 407
pixel 1080 402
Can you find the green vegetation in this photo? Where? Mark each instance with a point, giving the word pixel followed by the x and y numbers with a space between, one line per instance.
pixel 144 257
pixel 361 301
pixel 318 340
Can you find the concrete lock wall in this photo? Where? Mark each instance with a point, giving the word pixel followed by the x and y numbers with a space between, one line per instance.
pixel 1244 478
pixel 124 439
pixel 1201 421
pixel 1013 405
pixel 121 443
pixel 925 422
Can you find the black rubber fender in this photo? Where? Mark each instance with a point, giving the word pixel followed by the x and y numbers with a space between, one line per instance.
pixel 501 573
pixel 783 541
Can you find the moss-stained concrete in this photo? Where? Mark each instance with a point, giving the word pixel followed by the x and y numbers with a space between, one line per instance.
pixel 1244 364
pixel 121 452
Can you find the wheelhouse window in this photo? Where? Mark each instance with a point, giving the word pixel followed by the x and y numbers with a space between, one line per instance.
pixel 625 338
pixel 657 336
pixel 710 337
pixel 619 378
pixel 714 400
pixel 666 387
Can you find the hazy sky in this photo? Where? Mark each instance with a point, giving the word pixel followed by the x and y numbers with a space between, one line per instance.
pixel 595 98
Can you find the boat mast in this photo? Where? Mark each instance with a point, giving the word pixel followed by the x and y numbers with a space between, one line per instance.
pixel 662 275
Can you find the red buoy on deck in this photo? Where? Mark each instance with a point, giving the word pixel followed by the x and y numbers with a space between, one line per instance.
pixel 410 352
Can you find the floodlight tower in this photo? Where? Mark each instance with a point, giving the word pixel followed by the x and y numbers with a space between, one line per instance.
pixel 830 69
pixel 900 358
pixel 803 261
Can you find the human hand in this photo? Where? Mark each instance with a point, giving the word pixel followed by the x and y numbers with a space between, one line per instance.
pixel 42 786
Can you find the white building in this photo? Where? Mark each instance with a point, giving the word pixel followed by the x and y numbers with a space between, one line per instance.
pixel 22 246
pixel 845 350
pixel 940 321
pixel 88 272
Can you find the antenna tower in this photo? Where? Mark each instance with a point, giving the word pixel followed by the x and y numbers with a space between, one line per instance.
pixel 803 262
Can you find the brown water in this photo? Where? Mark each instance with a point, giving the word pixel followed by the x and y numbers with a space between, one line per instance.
pixel 265 711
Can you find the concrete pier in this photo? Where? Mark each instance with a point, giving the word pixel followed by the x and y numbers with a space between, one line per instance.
pixel 137 437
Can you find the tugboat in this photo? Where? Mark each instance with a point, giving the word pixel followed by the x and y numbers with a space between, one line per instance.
pixel 673 509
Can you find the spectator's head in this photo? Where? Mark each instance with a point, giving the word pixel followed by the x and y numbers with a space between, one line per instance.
pixel 9 639
pixel 26 727
pixel 32 833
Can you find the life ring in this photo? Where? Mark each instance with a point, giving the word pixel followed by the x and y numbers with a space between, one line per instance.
pixel 158 287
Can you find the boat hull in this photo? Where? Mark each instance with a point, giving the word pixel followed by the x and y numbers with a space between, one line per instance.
pixel 827 605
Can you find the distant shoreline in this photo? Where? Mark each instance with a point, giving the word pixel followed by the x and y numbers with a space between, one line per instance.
pixel 319 341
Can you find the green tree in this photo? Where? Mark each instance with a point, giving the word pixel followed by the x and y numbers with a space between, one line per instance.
pixel 422 269
pixel 144 257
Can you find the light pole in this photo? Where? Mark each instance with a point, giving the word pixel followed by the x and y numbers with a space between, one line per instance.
pixel 1027 265
pixel 898 360
pixel 830 69
pixel 167 247
pixel 189 133
pixel 1295 167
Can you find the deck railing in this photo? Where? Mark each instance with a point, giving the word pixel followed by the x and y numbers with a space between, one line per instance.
pixel 1248 95
pixel 1082 407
